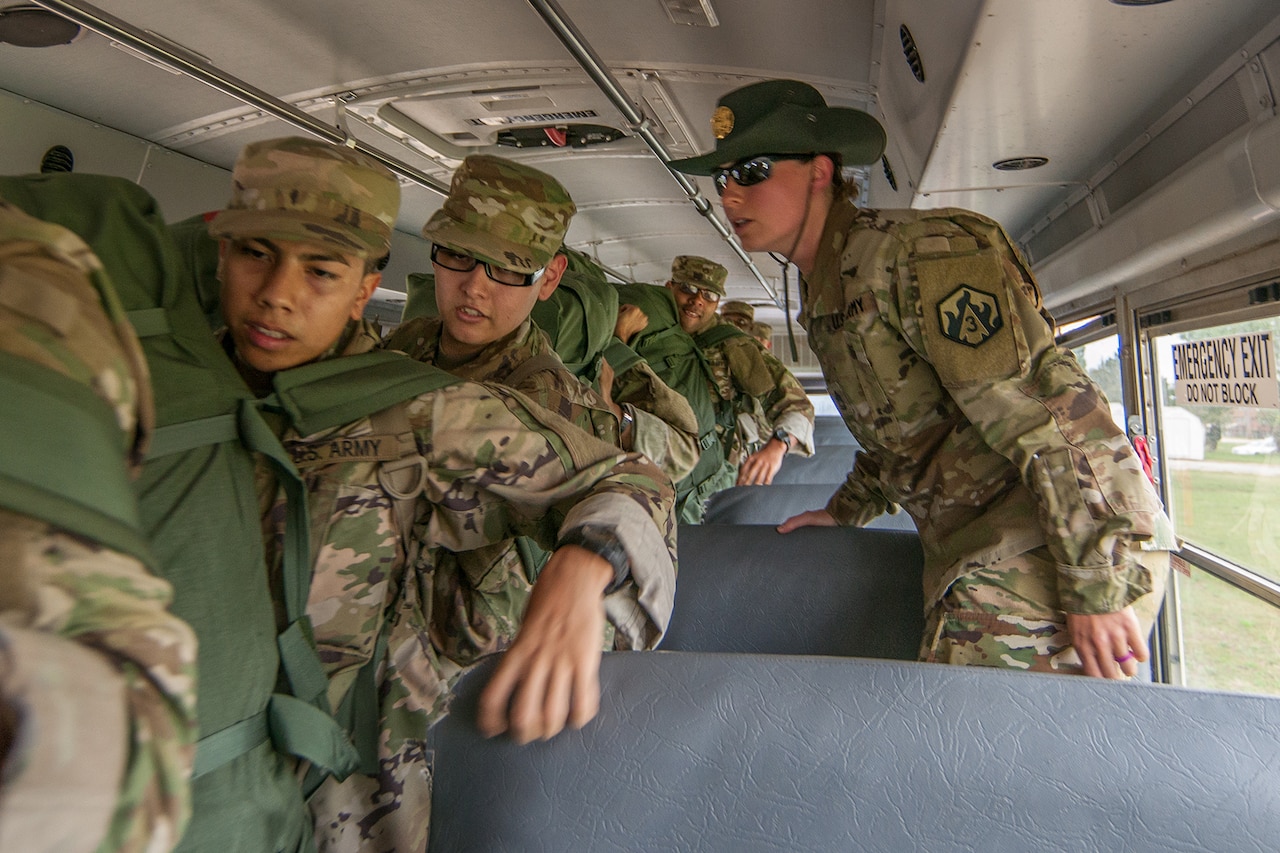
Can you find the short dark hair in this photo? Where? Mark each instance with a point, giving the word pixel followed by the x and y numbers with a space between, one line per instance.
pixel 837 168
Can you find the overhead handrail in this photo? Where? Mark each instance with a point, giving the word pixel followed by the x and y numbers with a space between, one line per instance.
pixel 185 62
pixel 591 63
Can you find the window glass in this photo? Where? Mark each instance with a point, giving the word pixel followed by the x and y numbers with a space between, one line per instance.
pixel 1221 460
pixel 1229 637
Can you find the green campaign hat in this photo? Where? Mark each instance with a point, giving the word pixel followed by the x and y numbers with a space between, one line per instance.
pixel 785 117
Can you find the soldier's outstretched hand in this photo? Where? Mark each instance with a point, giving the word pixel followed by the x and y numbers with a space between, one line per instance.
pixel 808 518
pixel 550 677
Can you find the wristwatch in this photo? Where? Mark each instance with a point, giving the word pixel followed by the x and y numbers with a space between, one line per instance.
pixel 783 436
pixel 602 542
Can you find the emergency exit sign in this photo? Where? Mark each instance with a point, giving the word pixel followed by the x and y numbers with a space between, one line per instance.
pixel 1238 370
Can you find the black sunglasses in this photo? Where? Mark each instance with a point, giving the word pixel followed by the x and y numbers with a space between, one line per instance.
pixel 753 170
pixel 459 262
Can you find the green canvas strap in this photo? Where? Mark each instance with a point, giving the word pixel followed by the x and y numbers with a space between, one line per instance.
pixel 290 725
pixel 337 391
pixel 717 334
pixel 531 365
pixel 188 435
pixel 64 459
pixel 620 356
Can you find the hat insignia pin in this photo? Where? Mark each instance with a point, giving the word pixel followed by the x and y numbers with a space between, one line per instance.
pixel 722 122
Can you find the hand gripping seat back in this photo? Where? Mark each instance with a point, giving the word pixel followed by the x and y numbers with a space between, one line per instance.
pixel 197 503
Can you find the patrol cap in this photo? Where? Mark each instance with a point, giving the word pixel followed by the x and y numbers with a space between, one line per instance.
pixel 503 213
pixel 764 331
pixel 743 309
pixel 700 272
pixel 296 188
pixel 785 117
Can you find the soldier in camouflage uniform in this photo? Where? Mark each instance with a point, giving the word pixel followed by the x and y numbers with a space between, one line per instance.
pixel 768 399
pixel 97 678
pixel 763 333
pixel 1045 545
pixel 508 220
pixel 301 239
pixel 738 313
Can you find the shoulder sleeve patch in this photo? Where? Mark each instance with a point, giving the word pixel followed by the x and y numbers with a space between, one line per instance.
pixel 966 318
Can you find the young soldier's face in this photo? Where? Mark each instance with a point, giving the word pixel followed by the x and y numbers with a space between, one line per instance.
pixel 693 309
pixel 767 216
pixel 740 320
pixel 475 310
pixel 286 302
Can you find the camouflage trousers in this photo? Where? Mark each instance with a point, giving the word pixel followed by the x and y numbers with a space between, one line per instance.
pixel 387 813
pixel 1007 615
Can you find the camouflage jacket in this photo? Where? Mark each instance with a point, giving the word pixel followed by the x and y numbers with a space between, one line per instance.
pixel 97 678
pixel 496 466
pixel 764 394
pixel 938 352
pixel 495 579
pixel 665 429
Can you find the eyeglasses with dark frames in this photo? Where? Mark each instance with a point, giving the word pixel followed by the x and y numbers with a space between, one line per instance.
pixel 753 170
pixel 461 262
pixel 709 296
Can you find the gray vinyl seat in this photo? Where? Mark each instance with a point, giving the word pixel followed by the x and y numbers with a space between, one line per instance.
pixel 815 591
pixel 705 752
pixel 775 503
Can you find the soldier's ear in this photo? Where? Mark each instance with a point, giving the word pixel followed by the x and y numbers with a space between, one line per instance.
pixel 550 278
pixel 820 171
pixel 368 284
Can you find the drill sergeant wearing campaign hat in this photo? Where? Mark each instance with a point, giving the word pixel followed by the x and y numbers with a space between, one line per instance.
pixel 1045 544
pixel 739 313
pixel 302 237
pixel 762 391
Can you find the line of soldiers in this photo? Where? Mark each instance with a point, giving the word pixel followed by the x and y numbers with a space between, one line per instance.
pixel 475 496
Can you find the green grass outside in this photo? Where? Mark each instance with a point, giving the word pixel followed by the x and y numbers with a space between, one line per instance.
pixel 1230 638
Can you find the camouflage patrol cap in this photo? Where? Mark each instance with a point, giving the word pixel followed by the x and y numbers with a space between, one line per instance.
pixel 503 213
pixel 743 309
pixel 700 272
pixel 317 192
pixel 763 331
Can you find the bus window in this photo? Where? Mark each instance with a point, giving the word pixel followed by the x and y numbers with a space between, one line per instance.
pixel 1216 398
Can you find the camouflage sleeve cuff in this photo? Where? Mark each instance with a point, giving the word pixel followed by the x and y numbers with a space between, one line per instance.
pixel 1104 589
pixel 71 716
pixel 641 609
pixel 851 509
pixel 801 429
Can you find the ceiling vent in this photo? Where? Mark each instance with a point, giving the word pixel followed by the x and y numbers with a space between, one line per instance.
pixel 536 116
pixel 911 52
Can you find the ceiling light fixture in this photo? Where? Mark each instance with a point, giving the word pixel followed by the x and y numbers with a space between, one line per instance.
pixel 691 13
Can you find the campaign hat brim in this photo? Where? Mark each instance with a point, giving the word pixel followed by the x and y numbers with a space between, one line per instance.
pixel 796 129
